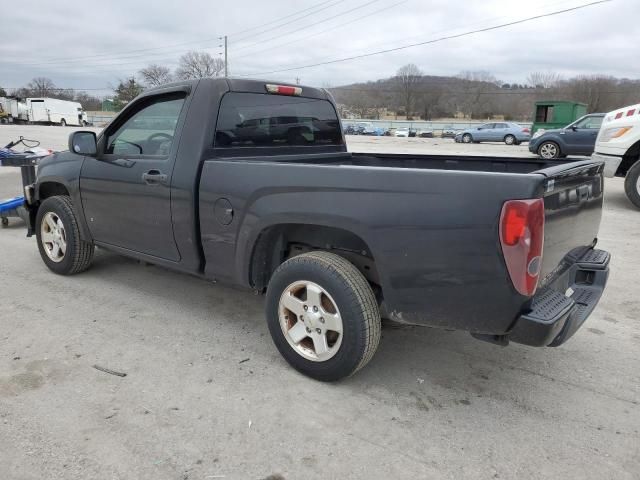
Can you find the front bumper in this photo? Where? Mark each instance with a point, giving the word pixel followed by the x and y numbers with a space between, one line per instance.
pixel 559 309
pixel 611 163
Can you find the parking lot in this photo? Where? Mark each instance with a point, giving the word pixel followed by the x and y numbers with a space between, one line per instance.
pixel 207 395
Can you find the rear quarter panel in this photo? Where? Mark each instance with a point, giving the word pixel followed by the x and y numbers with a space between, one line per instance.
pixel 432 233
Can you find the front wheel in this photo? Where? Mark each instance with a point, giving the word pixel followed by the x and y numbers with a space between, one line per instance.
pixel 632 184
pixel 323 315
pixel 466 138
pixel 58 235
pixel 549 150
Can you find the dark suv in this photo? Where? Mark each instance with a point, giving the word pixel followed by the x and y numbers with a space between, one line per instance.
pixel 577 138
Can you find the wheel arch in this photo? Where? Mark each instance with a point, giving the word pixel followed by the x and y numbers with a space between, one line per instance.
pixel 279 242
pixel 631 156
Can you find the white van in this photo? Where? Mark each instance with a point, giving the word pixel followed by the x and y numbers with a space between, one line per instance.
pixel 618 145
pixel 54 111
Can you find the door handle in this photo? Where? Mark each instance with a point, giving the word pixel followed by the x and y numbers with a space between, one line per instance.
pixel 154 177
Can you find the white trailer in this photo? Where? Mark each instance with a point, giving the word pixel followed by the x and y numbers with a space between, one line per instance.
pixel 54 111
pixel 13 110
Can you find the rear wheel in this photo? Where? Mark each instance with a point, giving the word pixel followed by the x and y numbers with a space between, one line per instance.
pixel 323 315
pixel 632 184
pixel 510 140
pixel 467 138
pixel 549 150
pixel 58 235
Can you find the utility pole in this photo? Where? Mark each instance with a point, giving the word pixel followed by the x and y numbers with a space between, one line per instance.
pixel 226 58
pixel 226 61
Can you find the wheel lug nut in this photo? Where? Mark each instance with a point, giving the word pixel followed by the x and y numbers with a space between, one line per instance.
pixel 321 319
pixel 308 330
pixel 318 331
pixel 305 308
pixel 315 309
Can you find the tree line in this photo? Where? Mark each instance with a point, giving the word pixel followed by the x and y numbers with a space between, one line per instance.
pixel 478 95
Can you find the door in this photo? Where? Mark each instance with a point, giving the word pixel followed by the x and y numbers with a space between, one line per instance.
pixel 38 111
pixel 483 132
pixel 580 137
pixel 126 189
pixel 499 131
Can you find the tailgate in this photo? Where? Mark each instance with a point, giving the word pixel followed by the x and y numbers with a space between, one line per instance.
pixel 573 207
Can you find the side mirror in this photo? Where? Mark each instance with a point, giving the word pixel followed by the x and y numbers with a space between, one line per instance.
pixel 574 128
pixel 83 143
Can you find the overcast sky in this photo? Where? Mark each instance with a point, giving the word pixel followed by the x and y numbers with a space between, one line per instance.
pixel 86 44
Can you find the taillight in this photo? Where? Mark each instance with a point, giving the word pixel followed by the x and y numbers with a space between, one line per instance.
pixel 525 130
pixel 283 89
pixel 522 239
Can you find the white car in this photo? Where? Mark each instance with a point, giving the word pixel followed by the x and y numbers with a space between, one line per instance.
pixel 618 145
pixel 402 132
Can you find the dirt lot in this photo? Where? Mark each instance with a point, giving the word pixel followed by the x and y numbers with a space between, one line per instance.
pixel 208 396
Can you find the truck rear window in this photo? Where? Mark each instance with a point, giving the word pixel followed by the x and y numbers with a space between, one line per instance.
pixel 252 119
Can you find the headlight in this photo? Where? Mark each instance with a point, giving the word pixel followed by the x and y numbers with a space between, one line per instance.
pixel 611 133
pixel 537 134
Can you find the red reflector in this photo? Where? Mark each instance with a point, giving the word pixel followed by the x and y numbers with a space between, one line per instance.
pixel 631 112
pixel 283 89
pixel 522 239
pixel 618 115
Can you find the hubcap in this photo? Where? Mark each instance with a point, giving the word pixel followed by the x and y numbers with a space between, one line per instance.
pixel 548 150
pixel 509 140
pixel 310 321
pixel 466 138
pixel 53 237
pixel 638 186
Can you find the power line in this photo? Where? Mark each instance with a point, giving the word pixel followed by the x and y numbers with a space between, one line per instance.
pixel 331 4
pixel 304 27
pixel 122 54
pixel 441 39
pixel 323 31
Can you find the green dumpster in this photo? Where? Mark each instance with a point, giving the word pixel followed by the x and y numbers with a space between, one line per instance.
pixel 556 114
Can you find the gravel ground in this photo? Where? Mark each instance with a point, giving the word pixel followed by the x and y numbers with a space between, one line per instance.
pixel 208 396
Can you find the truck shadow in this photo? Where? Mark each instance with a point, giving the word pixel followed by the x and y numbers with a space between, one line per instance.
pixel 409 359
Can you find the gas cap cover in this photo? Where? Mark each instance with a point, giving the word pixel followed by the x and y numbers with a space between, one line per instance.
pixel 223 211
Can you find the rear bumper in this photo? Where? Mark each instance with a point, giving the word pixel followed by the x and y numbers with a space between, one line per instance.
pixel 611 163
pixel 559 309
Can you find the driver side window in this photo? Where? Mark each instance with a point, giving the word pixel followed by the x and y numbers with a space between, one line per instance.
pixel 149 131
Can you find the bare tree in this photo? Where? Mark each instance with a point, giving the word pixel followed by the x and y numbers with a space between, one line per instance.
pixel 199 65
pixel 544 79
pixel 41 87
pixel 155 75
pixel 408 79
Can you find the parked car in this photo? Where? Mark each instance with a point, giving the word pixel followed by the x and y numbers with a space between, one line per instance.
pixel 618 145
pixel 449 132
pixel 425 133
pixel 321 231
pixel 577 138
pixel 402 132
pixel 509 133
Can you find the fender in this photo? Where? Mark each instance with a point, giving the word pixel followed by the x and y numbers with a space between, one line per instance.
pixel 63 169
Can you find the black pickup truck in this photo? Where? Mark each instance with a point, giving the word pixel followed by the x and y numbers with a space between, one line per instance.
pixel 251 183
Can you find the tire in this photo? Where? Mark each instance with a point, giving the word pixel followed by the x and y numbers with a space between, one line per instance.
pixel 549 150
pixel 510 140
pixel 632 184
pixel 77 254
pixel 341 294
pixel 467 138
pixel 63 123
